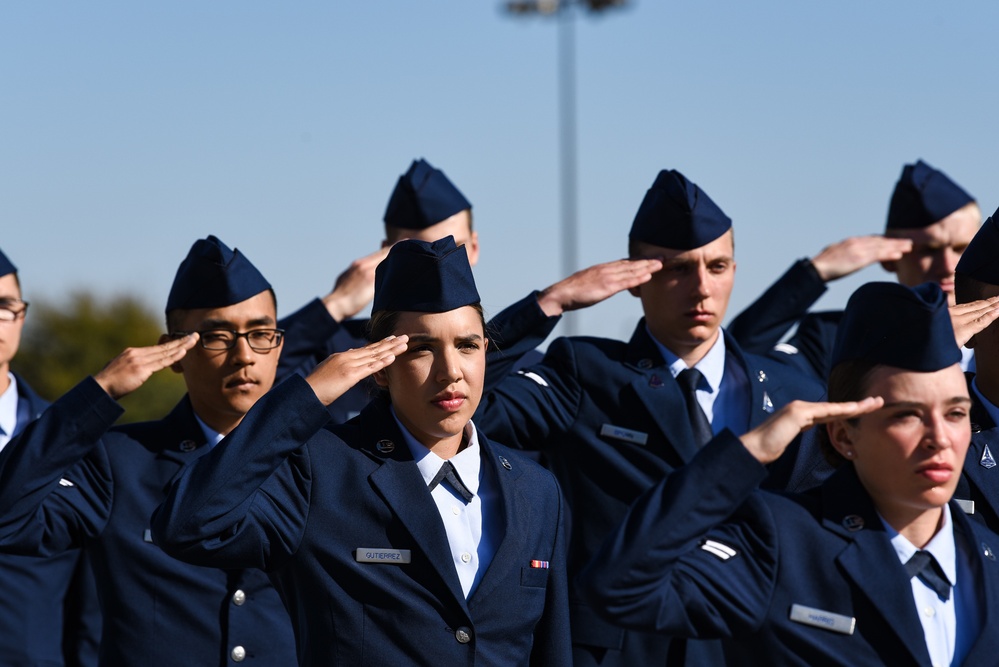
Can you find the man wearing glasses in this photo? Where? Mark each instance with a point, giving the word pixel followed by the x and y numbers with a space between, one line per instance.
pixel 48 606
pixel 70 480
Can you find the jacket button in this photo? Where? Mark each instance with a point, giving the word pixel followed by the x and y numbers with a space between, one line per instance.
pixel 238 598
pixel 238 654
pixel 463 635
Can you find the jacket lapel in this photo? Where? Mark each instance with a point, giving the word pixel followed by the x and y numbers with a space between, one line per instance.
pixel 761 406
pixel 399 482
pixel 868 560
pixel 513 543
pixel 985 648
pixel 659 393
pixel 980 463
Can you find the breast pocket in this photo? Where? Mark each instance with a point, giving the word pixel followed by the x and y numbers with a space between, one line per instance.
pixel 534 577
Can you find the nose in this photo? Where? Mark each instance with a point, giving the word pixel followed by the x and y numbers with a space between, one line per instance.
pixel 701 280
pixel 449 365
pixel 242 354
pixel 940 433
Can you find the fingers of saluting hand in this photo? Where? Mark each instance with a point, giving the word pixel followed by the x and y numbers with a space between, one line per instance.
pixel 130 369
pixel 973 317
pixel 341 371
pixel 767 441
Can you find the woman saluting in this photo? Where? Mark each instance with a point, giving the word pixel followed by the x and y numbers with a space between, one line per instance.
pixel 875 566
pixel 403 536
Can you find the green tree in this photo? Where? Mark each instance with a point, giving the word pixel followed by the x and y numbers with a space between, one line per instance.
pixel 64 342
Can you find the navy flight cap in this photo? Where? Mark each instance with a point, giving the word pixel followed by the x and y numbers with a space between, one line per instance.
pixel 677 214
pixel 424 277
pixel 423 197
pixel 895 325
pixel 924 196
pixel 980 260
pixel 6 266
pixel 214 276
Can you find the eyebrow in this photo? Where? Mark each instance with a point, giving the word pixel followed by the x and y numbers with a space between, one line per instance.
pixel 226 324
pixel 957 400
pixel 427 338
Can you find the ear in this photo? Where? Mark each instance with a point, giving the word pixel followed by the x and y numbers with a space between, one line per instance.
pixel 840 433
pixel 890 265
pixel 175 367
pixel 381 378
pixel 472 248
pixel 485 344
pixel 635 291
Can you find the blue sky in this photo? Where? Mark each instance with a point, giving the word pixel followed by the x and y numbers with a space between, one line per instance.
pixel 133 128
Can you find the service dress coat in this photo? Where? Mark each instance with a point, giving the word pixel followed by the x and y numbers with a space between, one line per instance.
pixel 49 614
pixel 809 579
pixel 69 482
pixel 611 421
pixel 345 524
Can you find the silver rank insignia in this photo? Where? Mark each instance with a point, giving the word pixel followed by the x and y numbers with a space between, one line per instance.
pixel 505 463
pixel 987 461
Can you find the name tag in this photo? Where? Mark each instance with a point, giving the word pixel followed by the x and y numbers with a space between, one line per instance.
pixel 618 433
pixel 823 619
pixel 967 506
pixel 388 556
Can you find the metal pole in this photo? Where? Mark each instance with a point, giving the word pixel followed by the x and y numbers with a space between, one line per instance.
pixel 567 149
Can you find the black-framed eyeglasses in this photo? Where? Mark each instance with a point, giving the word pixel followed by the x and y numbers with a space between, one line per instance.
pixel 225 339
pixel 11 309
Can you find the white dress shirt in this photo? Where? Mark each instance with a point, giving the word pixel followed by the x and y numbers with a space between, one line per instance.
pixel 8 411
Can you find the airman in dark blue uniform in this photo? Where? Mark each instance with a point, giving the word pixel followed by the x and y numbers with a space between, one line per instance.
pixel 612 420
pixel 70 481
pixel 931 219
pixel 405 536
pixel 874 567
pixel 48 607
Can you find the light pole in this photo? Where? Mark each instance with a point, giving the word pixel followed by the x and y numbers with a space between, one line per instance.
pixel 563 11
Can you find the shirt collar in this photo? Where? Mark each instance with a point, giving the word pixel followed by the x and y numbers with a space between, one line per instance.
pixel 467 463
pixel 711 365
pixel 212 437
pixel 8 407
pixel 941 546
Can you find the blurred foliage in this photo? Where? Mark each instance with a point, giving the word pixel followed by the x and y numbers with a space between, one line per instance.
pixel 63 343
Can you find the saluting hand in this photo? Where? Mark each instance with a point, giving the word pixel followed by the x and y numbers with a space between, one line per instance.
pixel 130 369
pixel 596 283
pixel 973 317
pixel 857 252
pixel 354 288
pixel 768 441
pixel 339 372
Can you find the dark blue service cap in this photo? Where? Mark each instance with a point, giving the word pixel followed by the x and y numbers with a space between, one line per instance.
pixel 423 197
pixel 923 196
pixel 895 325
pixel 6 266
pixel 214 276
pixel 424 277
pixel 980 260
pixel 677 214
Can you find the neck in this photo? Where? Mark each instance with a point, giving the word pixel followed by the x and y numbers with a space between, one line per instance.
pixel 4 378
pixel 917 526
pixel 691 354
pixel 447 447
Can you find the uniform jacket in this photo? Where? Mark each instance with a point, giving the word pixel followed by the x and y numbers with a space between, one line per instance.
pixel 311 335
pixel 612 421
pixel 304 502
pixel 706 554
pixel 48 607
pixel 68 482
pixel 980 479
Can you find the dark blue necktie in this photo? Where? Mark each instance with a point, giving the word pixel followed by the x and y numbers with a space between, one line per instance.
pixel 448 473
pixel 688 380
pixel 925 566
